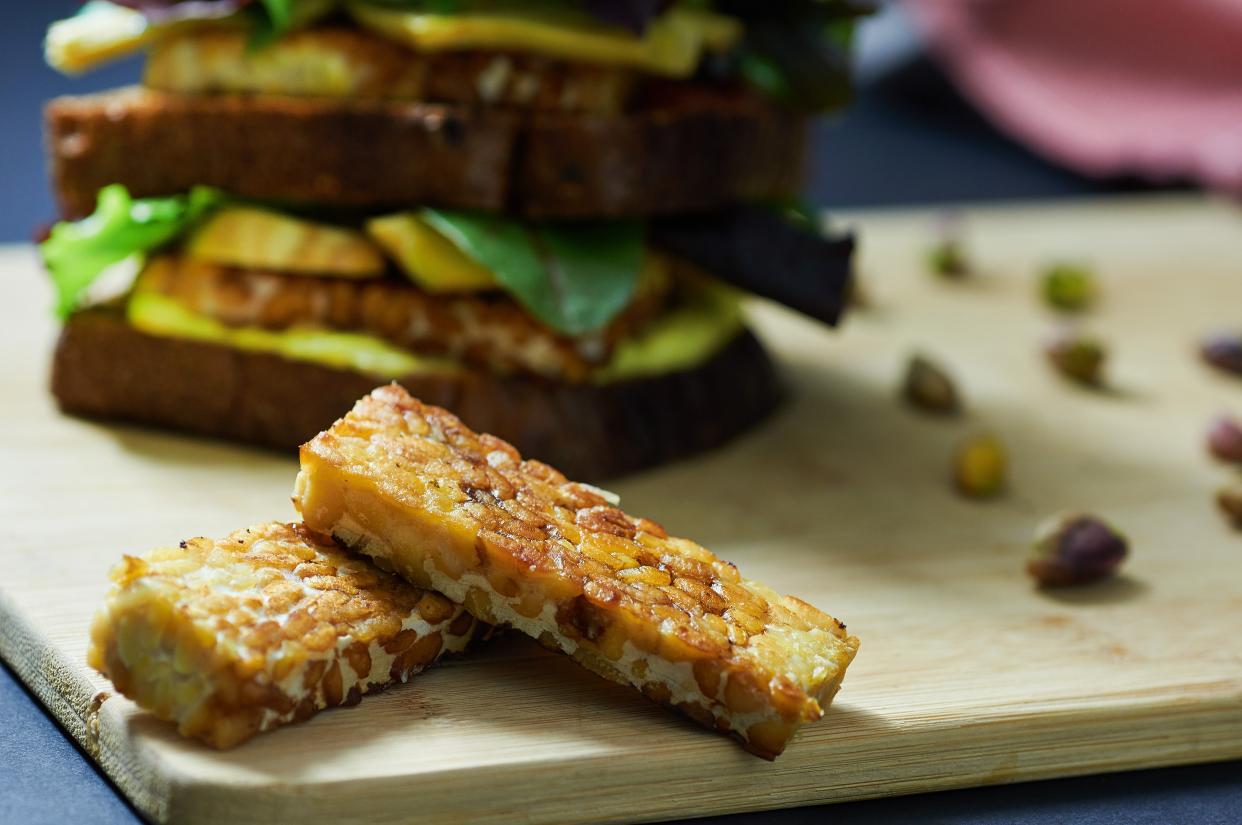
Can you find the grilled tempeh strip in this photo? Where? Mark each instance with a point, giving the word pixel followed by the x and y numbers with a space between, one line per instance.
pixel 343 63
pixel 519 544
pixel 261 629
pixel 481 330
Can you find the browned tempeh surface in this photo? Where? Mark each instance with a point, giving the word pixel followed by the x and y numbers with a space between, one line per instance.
pixel 365 67
pixel 490 331
pixel 265 627
pixel 517 543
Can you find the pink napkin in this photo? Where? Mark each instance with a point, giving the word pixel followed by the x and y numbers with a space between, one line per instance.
pixel 1146 87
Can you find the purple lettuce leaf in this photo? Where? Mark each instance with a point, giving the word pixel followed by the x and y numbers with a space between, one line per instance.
pixel 172 11
pixel 634 15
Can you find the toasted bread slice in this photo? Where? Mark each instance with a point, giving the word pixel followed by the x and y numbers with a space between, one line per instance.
pixel 263 628
pixel 517 543
pixel 691 149
pixel 105 369
pixel 345 63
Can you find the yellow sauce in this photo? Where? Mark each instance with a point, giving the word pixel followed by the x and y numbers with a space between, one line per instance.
pixel 680 340
pixel 163 316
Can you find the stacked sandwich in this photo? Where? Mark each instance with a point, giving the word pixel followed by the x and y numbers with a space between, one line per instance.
pixel 542 214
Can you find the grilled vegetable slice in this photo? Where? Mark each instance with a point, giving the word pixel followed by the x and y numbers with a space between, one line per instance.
pixel 246 236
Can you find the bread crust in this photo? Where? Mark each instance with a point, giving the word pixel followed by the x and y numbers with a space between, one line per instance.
pixel 104 368
pixel 685 148
pixel 358 154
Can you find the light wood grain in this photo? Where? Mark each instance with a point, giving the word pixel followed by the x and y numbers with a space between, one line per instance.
pixel 967 674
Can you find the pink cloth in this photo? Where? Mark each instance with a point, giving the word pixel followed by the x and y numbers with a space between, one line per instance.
pixel 1147 87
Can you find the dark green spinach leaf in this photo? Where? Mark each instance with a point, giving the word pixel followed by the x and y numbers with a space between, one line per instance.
pixel 573 277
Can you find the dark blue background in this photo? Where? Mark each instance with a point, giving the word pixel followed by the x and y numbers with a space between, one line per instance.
pixel 909 139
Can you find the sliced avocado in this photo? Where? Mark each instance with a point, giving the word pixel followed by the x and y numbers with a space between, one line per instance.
pixel 679 340
pixel 431 260
pixel 259 239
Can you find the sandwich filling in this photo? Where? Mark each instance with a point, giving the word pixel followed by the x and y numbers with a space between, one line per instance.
pixel 394 286
pixel 570 55
pixel 392 296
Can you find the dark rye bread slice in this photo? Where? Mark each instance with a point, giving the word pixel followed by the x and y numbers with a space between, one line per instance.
pixel 682 149
pixel 104 368
pixel 339 154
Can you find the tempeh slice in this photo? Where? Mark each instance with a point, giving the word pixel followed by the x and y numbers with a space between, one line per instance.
pixel 517 543
pixel 263 628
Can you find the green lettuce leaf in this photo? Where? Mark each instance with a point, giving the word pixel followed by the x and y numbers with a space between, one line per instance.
pixel 573 277
pixel 276 18
pixel 280 12
pixel 77 253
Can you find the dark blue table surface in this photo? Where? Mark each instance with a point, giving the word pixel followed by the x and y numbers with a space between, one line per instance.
pixel 45 779
pixel 909 139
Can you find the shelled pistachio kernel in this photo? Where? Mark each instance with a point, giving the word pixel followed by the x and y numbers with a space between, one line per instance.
pixel 1223 351
pixel 928 387
pixel 948 260
pixel 1224 439
pixel 1229 500
pixel 981 467
pixel 1068 287
pixel 1075 549
pixel 947 257
pixel 1078 357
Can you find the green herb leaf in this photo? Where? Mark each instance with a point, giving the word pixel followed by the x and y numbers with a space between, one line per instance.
pixel 797 212
pixel 766 75
pixel 280 12
pixel 573 277
pixel 272 19
pixel 77 253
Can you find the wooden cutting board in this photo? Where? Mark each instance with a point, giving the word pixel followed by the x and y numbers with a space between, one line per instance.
pixel 967 674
